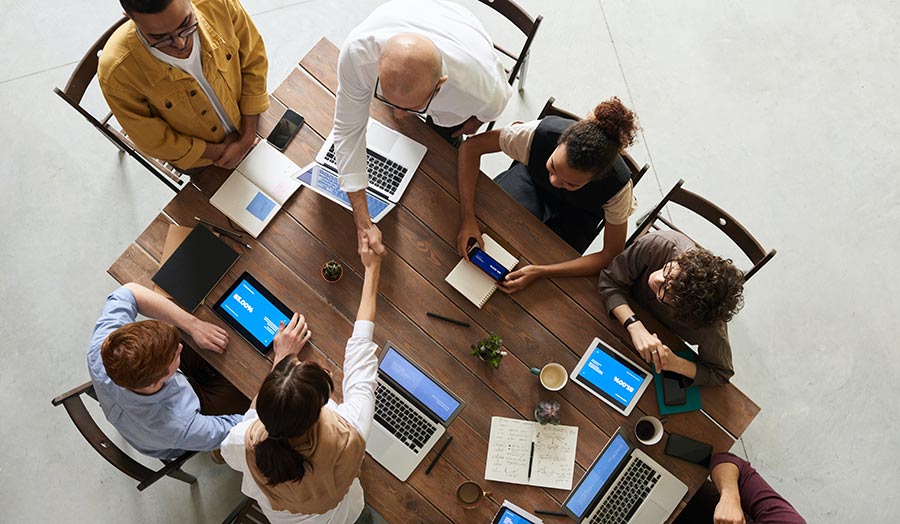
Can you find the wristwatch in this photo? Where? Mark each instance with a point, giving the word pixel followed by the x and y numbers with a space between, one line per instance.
pixel 630 320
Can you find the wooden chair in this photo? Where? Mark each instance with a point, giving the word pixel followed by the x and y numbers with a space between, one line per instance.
pixel 527 25
pixel 713 214
pixel 74 92
pixel 145 476
pixel 247 512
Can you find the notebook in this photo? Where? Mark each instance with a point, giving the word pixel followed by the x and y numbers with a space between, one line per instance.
pixel 693 392
pixel 525 452
pixel 195 268
pixel 472 282
pixel 257 188
pixel 174 237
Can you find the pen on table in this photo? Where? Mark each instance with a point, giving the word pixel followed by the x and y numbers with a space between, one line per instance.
pixel 530 460
pixel 545 512
pixel 224 230
pixel 439 453
pixel 447 319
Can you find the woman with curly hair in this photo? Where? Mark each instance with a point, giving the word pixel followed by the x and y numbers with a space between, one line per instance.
pixel 690 290
pixel 567 173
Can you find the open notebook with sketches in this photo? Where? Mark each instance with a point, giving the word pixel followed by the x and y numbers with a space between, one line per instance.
pixel 525 452
pixel 474 283
pixel 257 188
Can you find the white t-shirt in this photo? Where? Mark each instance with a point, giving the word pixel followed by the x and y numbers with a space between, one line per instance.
pixel 476 82
pixel 358 408
pixel 193 66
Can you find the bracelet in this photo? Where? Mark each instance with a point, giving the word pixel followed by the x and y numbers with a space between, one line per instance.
pixel 630 320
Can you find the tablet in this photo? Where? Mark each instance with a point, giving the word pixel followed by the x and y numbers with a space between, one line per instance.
pixel 253 312
pixel 611 377
pixel 511 514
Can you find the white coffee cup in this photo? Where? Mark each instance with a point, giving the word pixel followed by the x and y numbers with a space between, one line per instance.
pixel 553 376
pixel 642 430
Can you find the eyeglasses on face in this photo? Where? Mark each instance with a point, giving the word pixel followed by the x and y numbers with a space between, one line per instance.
pixel 667 277
pixel 380 98
pixel 187 32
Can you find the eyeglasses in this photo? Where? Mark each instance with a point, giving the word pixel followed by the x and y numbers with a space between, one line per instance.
pixel 381 99
pixel 667 275
pixel 187 32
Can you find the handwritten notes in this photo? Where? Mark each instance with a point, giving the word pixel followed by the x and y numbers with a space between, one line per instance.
pixel 510 457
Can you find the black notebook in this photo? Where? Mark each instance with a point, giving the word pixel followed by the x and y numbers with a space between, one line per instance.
pixel 195 268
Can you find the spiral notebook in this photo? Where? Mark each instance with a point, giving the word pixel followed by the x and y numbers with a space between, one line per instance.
pixel 472 282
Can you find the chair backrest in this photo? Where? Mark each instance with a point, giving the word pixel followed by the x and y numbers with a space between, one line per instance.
pixel 72 401
pixel 73 94
pixel 713 214
pixel 524 22
pixel 247 512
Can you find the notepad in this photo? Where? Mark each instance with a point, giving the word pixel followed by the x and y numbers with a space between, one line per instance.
pixel 693 402
pixel 472 282
pixel 257 188
pixel 518 447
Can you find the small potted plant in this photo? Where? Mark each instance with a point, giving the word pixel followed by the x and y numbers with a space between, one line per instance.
pixel 488 350
pixel 547 412
pixel 332 271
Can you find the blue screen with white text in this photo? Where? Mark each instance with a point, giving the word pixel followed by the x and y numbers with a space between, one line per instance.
pixel 254 312
pixel 597 476
pixel 611 376
pixel 418 384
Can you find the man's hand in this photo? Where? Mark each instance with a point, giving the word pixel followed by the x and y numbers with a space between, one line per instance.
pixel 652 350
pixel 468 230
pixel 291 338
pixel 520 279
pixel 468 128
pixel 370 236
pixel 208 336
pixel 235 149
pixel 370 259
pixel 728 510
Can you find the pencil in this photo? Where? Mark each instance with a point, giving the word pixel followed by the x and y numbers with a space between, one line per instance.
pixel 545 512
pixel 439 453
pixel 447 319
pixel 224 230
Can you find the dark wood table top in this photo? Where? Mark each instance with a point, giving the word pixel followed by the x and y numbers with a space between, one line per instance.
pixel 552 320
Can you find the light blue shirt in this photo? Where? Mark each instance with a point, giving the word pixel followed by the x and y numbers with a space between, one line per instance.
pixel 162 425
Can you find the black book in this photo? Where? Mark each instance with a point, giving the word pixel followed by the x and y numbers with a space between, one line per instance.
pixel 195 268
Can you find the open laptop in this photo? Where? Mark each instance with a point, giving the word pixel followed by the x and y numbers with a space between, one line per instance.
pixel 392 160
pixel 412 411
pixel 624 485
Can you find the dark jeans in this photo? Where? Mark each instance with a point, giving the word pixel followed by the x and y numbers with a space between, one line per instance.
pixel 446 132
pixel 217 395
pixel 574 226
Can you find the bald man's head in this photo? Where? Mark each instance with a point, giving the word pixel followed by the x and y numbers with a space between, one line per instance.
pixel 409 68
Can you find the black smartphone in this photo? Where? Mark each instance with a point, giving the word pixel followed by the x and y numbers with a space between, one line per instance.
pixel 674 391
pixel 689 449
pixel 285 129
pixel 484 262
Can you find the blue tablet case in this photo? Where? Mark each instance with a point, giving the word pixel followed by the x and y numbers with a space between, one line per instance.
pixel 693 392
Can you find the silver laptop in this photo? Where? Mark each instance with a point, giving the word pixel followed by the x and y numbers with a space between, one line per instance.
pixel 412 411
pixel 392 160
pixel 624 485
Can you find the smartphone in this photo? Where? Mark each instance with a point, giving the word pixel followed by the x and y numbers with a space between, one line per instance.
pixel 674 391
pixel 484 262
pixel 285 129
pixel 689 449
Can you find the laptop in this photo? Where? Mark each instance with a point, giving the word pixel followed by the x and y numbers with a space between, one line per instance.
pixel 392 160
pixel 412 411
pixel 624 485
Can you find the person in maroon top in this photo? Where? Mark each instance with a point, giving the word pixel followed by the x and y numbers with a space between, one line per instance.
pixel 737 495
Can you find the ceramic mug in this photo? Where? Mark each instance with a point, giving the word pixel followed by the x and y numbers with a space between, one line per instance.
pixel 553 376
pixel 470 493
pixel 648 430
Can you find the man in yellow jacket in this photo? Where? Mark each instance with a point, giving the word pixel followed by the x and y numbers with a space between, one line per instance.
pixel 187 80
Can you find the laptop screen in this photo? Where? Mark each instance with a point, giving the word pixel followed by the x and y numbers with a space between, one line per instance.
pixel 428 392
pixel 593 481
pixel 325 182
pixel 611 376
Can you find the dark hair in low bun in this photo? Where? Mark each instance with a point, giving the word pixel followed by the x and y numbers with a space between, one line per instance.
pixel 593 143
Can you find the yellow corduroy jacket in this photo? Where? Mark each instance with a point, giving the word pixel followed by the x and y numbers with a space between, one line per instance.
pixel 162 109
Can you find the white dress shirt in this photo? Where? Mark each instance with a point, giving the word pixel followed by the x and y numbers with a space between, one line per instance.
pixel 358 408
pixel 476 86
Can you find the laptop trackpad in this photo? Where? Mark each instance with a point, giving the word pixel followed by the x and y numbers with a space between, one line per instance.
pixel 380 138
pixel 650 513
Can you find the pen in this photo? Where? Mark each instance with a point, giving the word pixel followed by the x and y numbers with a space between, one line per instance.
pixel 225 231
pixel 530 460
pixel 545 512
pixel 447 319
pixel 439 453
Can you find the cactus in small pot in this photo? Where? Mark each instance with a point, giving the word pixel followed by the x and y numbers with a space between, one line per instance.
pixel 332 271
pixel 488 350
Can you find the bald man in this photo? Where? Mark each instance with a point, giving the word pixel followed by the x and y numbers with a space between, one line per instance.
pixel 417 57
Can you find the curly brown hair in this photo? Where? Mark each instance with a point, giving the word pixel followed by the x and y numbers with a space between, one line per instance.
pixel 705 289
pixel 593 143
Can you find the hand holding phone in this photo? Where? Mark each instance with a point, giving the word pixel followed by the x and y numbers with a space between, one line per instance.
pixel 285 129
pixel 484 262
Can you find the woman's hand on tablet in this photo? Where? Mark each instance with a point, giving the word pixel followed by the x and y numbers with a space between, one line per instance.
pixel 291 337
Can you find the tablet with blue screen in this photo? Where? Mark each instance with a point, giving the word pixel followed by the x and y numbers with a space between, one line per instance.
pixel 253 312
pixel 511 514
pixel 611 377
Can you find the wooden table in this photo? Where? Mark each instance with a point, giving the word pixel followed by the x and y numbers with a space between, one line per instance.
pixel 550 321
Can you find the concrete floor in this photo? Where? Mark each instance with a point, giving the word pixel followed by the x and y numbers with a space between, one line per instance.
pixel 780 112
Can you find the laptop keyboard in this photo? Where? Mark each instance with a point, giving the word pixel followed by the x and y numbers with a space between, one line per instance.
pixel 403 422
pixel 632 489
pixel 384 174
